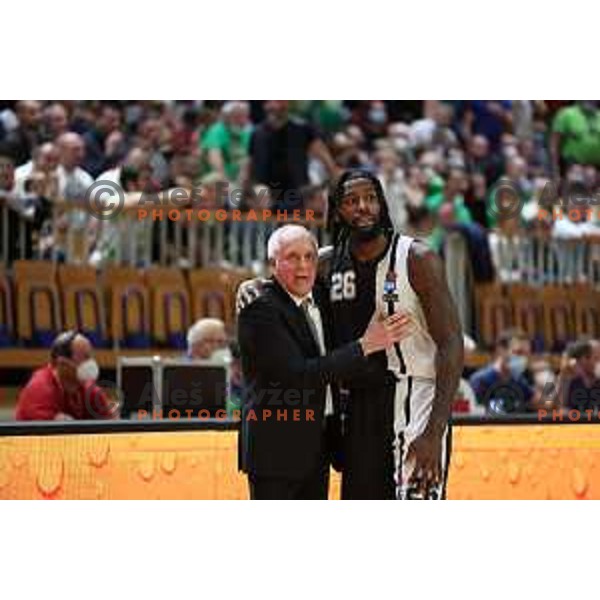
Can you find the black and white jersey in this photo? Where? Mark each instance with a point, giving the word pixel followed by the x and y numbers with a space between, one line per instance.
pixel 352 295
pixel 357 289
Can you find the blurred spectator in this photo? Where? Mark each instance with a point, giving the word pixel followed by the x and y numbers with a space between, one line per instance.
pixel 582 388
pixel 149 139
pixel 56 121
pixel 545 388
pixel 226 143
pixel 279 151
pixel 65 388
pixel 391 176
pixel 206 339
pixel 20 141
pixel 104 142
pixel 489 118
pixel 435 129
pixel 502 387
pixel 480 159
pixel 73 181
pixel 10 208
pixel 576 136
pixel 452 195
pixel 45 160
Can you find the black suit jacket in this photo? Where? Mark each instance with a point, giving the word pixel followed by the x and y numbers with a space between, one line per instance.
pixel 283 370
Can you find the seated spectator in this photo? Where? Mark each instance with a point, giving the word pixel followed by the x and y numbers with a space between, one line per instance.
pixel 207 340
pixel 582 390
pixel 65 388
pixel 545 390
pixel 502 387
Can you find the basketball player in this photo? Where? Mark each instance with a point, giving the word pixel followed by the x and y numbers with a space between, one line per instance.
pixel 395 413
pixel 397 439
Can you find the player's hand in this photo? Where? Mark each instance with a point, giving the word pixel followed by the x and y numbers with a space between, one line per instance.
pixel 384 333
pixel 423 455
pixel 247 292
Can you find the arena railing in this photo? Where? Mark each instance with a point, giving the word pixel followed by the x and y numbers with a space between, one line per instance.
pixel 19 428
pixel 539 259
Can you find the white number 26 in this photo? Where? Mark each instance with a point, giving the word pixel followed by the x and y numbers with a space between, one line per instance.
pixel 343 286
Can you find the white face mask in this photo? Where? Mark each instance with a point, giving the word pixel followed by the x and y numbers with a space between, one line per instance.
pixel 222 355
pixel 88 370
pixel 517 364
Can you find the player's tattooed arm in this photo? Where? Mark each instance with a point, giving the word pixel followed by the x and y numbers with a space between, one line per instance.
pixel 428 278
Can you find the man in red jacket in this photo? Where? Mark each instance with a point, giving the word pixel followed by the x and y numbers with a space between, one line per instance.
pixel 65 389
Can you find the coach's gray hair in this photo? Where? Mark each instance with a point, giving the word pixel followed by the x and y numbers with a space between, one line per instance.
pixel 286 234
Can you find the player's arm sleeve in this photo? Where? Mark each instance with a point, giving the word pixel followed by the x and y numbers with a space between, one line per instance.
pixel 264 337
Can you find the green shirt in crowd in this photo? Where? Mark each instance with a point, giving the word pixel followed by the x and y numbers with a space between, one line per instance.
pixel 234 145
pixel 580 131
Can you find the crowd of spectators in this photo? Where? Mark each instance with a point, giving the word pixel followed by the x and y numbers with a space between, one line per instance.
pixel 438 162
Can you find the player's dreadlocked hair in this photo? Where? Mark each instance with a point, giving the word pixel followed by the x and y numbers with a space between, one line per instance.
pixel 340 230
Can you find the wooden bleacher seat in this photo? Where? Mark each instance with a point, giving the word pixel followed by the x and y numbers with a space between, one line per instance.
pixel 7 315
pixel 213 293
pixel 586 312
pixel 38 302
pixel 170 306
pixel 129 301
pixel 495 316
pixel 83 302
pixel 528 313
pixel 559 328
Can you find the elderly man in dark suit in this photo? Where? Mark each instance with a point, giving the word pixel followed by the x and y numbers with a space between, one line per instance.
pixel 289 373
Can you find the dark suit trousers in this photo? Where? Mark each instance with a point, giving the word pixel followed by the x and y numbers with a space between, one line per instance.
pixel 314 486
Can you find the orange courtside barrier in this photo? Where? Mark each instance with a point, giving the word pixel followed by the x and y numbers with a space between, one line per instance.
pixel 500 461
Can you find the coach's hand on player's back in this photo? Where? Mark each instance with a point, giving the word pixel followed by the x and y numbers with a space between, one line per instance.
pixel 248 291
pixel 384 333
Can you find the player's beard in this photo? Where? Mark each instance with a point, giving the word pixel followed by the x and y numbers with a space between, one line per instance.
pixel 366 234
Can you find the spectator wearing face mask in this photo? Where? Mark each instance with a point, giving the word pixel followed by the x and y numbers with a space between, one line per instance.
pixel 503 386
pixel 65 388
pixel 207 340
